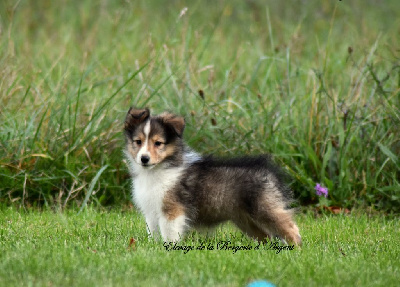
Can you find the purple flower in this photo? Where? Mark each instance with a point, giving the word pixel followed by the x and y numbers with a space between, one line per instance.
pixel 320 190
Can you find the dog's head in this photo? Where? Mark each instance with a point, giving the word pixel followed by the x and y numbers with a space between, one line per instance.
pixel 151 140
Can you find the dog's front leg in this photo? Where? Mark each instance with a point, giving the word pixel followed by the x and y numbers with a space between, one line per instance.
pixel 152 226
pixel 172 229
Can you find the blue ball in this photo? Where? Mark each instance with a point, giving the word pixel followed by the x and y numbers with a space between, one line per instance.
pixel 261 283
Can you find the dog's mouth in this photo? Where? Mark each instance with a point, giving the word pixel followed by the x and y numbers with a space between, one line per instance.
pixel 147 165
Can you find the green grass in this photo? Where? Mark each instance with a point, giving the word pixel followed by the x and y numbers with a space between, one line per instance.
pixel 316 84
pixel 92 248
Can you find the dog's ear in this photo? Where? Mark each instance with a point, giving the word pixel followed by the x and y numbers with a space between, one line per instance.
pixel 176 122
pixel 135 117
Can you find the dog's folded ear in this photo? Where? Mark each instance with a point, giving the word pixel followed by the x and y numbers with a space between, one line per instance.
pixel 135 117
pixel 176 122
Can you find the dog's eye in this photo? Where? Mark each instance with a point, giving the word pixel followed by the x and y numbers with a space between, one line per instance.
pixel 157 143
pixel 138 142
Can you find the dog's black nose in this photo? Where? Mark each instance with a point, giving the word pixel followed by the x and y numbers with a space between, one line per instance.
pixel 145 159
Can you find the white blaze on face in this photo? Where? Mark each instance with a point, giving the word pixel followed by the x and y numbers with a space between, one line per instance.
pixel 144 148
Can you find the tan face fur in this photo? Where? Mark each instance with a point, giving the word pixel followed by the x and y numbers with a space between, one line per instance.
pixel 149 143
pixel 147 136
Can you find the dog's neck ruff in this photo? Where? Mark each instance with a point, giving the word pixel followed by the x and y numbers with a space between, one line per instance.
pixel 151 183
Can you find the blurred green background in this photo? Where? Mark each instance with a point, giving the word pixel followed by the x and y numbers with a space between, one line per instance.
pixel 315 83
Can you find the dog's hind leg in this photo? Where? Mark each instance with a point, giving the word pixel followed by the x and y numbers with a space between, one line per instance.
pixel 272 216
pixel 283 227
pixel 281 223
pixel 246 225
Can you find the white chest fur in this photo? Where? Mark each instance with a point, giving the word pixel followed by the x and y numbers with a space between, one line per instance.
pixel 150 186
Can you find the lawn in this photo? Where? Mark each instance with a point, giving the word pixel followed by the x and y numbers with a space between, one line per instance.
pixel 94 248
pixel 315 84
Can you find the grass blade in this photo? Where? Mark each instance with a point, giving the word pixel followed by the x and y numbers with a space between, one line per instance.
pixel 91 187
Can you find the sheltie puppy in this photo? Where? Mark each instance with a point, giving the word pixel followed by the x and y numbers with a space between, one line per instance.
pixel 176 188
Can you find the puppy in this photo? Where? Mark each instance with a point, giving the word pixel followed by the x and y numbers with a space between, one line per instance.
pixel 176 188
